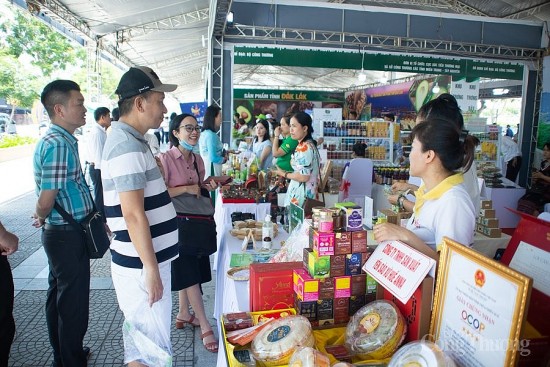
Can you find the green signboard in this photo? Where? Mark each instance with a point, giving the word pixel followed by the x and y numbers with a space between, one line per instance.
pixel 296 216
pixel 287 95
pixel 377 61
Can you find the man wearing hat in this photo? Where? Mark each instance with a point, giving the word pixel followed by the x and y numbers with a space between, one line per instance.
pixel 138 208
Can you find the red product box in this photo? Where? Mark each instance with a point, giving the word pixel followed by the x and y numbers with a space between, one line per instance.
pixel 305 287
pixel 417 311
pixel 271 285
pixel 341 310
pixel 359 285
pixel 342 243
pixel 323 243
pixel 326 288
pixel 337 265
pixel 359 241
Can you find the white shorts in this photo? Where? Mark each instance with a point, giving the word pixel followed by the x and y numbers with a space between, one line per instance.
pixel 132 297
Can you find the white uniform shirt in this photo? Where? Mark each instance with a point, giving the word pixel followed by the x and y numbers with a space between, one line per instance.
pixel 96 142
pixel 452 215
pixel 509 148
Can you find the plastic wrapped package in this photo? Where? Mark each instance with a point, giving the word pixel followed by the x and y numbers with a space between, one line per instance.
pixel 376 330
pixel 144 340
pixel 293 250
pixel 308 357
pixel 342 364
pixel 421 353
pixel 274 344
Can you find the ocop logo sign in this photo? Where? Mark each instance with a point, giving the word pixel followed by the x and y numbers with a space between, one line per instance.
pixel 472 321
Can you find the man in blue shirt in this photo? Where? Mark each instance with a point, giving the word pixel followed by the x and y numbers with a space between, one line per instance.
pixel 59 178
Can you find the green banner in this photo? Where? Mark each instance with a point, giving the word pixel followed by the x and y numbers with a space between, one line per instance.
pixel 377 61
pixel 287 95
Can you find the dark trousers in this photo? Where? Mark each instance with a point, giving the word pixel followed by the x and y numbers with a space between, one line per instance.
pixel 158 134
pixel 512 169
pixel 67 303
pixel 93 179
pixel 7 324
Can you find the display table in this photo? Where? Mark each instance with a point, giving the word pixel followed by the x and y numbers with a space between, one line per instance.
pixel 505 198
pixel 222 216
pixel 488 246
pixel 231 295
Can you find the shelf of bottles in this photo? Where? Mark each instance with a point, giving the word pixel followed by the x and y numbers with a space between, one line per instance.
pixel 387 175
pixel 340 136
pixel 489 148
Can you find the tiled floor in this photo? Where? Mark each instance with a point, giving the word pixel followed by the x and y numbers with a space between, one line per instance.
pixel 31 347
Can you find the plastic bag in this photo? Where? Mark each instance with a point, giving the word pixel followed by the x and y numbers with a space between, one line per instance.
pixel 145 340
pixel 293 250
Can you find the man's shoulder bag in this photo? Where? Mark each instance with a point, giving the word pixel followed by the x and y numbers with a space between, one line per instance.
pixel 93 228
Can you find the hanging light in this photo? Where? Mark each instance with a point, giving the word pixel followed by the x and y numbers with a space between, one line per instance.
pixel 362 76
pixel 436 88
pixel 500 91
pixel 384 78
pixel 229 19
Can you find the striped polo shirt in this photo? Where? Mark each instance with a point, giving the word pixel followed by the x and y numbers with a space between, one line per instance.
pixel 56 166
pixel 127 164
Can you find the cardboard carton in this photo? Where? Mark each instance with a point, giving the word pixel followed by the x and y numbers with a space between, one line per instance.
pixel 487 213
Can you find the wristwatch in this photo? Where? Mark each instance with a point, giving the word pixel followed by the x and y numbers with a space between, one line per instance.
pixel 286 174
pixel 400 200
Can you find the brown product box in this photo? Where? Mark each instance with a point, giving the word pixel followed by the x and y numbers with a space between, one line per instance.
pixel 391 216
pixel 325 309
pixel 271 285
pixel 403 215
pixel 341 310
pixel 359 241
pixel 307 309
pixel 342 243
pixel 339 352
pixel 487 213
pixel 337 265
pixel 488 222
pixel 489 232
pixel 355 303
pixel 417 311
pixel 359 285
pixel 486 204
pixel 326 288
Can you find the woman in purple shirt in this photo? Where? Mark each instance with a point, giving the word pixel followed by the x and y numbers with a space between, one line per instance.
pixel 188 272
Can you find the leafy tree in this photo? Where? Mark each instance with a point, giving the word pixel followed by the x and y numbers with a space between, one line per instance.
pixel 48 50
pixel 18 87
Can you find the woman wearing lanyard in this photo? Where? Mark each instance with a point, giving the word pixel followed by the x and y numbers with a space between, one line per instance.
pixel 442 208
pixel 182 173
pixel 304 180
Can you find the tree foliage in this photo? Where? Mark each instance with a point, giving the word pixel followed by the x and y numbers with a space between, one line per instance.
pixel 48 50
pixel 16 86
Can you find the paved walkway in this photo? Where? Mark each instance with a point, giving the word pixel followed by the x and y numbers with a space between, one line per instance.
pixel 31 347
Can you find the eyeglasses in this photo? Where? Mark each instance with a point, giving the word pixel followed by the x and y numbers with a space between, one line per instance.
pixel 190 128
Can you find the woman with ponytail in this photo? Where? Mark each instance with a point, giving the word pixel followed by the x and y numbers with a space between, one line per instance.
pixel 304 179
pixel 439 154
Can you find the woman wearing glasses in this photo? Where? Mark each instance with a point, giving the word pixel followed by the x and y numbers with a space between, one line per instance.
pixel 183 173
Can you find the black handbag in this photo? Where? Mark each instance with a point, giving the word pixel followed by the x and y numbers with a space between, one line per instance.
pixel 197 234
pixel 93 228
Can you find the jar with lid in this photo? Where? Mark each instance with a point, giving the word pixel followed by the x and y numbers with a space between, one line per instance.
pixel 325 221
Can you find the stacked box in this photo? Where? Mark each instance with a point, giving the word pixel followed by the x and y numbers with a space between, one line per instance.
pixel 353 214
pixel 331 276
pixel 487 224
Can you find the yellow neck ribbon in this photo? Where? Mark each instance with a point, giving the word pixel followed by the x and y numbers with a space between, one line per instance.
pixel 436 192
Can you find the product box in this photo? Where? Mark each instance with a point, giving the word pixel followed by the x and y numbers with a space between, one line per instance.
pixel 486 204
pixel 359 241
pixel 271 285
pixel 489 232
pixel 393 217
pixel 305 287
pixel 487 213
pixel 532 236
pixel 325 311
pixel 305 259
pixel 354 215
pixel 417 311
pixel 238 356
pixel 237 321
pixel 354 262
pixel 306 308
pixel 326 288
pixel 342 243
pixel 318 266
pixel 323 243
pixel 372 285
pixel 342 287
pixel 337 265
pixel 341 310
pixel 488 222
pixel 359 285
pixel 355 303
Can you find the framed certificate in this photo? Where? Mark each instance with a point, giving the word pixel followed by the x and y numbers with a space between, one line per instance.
pixel 479 308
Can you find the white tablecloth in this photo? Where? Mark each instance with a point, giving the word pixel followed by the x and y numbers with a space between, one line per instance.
pixel 222 215
pixel 231 295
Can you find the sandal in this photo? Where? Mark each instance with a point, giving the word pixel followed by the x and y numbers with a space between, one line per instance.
pixel 212 346
pixel 180 323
